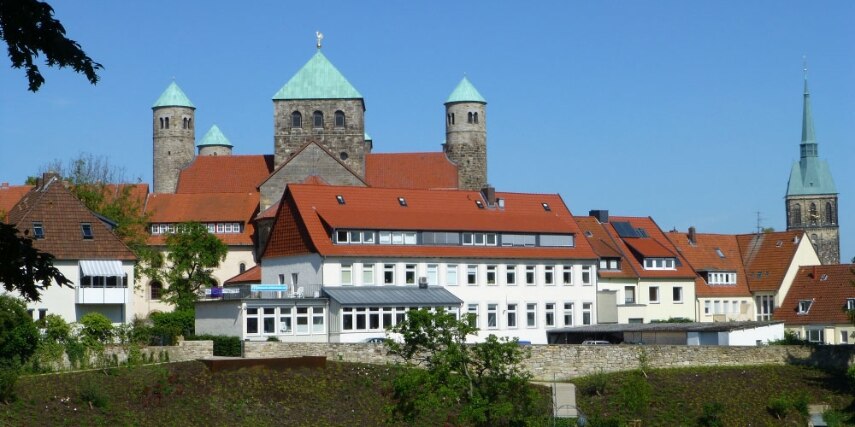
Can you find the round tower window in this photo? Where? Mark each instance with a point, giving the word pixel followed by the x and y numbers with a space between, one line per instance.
pixel 343 155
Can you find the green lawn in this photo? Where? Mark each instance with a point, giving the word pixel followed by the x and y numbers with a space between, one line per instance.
pixel 676 397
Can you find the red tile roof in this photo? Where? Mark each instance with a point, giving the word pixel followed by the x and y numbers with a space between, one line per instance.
pixel 767 257
pixel 269 212
pixel 605 246
pixel 655 245
pixel 136 192
pixel 61 215
pixel 828 296
pixel 212 207
pixel 316 212
pixel 10 195
pixel 410 170
pixel 251 276
pixel 224 174
pixel 702 256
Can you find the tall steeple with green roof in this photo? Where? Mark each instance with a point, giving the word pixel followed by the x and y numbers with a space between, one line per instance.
pixel 174 124
pixel 811 198
pixel 214 143
pixel 319 104
pixel 466 135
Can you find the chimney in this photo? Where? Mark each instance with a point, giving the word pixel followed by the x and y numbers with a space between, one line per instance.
pixel 693 238
pixel 4 186
pixel 814 273
pixel 489 194
pixel 602 215
pixel 423 282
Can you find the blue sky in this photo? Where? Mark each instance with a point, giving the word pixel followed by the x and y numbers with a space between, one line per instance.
pixel 689 112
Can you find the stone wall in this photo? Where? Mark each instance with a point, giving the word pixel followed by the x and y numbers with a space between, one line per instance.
pixel 184 351
pixel 569 361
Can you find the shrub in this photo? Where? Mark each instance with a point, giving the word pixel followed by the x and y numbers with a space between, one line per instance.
pixel 712 415
pixel 778 406
pixel 850 373
pixel 799 402
pixel 790 338
pixel 56 329
pixel 172 324
pixel 223 345
pixel 272 339
pixel 92 393
pixel 8 378
pixel 834 418
pixel 78 353
pixel 19 336
pixel 97 328
pixel 597 383
pixel 634 394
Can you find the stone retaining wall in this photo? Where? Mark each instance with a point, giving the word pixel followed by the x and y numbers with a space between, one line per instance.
pixel 569 361
pixel 183 351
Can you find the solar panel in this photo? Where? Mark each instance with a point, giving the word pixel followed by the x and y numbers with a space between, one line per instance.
pixel 625 229
pixel 641 233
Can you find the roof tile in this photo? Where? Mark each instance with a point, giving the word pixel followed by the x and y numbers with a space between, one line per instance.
pixel 410 170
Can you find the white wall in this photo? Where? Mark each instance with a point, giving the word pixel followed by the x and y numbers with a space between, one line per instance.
pixel 805 255
pixel 307 267
pixel 750 336
pixel 219 318
pixel 745 309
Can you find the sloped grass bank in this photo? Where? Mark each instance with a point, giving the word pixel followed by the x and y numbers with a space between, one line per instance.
pixel 733 396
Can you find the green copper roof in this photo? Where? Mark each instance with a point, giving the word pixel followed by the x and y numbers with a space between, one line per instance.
pixel 810 175
pixel 173 96
pixel 465 92
pixel 214 137
pixel 318 79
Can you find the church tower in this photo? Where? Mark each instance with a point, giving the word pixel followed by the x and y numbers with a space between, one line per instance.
pixel 811 199
pixel 319 104
pixel 214 143
pixel 466 135
pixel 174 137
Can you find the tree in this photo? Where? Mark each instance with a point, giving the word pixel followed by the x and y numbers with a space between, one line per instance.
pixel 484 381
pixel 29 29
pixel 193 254
pixel 19 338
pixel 24 268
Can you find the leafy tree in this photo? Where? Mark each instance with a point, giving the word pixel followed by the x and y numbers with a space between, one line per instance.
pixel 29 29
pixel 193 254
pixel 97 328
pixel 19 339
pixel 24 268
pixel 484 380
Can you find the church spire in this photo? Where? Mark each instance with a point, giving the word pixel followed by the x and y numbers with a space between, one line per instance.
pixel 808 146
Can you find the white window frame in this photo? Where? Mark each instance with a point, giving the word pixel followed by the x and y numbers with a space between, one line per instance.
pixel 804 306
pixel 368 274
pixel 410 276
pixel 472 274
pixel 473 309
pixel 568 313
pixel 531 315
pixel 549 275
pixel 653 296
pixel 677 294
pixel 587 275
pixel 452 273
pixel 820 332
pixel 493 270
pixel 511 275
pixel 530 273
pixel 493 315
pixel 432 274
pixel 549 312
pixel 347 274
pixel 389 268
pixel 567 275
pixel 587 311
pixel 512 314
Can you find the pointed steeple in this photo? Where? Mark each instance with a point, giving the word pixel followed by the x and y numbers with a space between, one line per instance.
pixel 810 175
pixel 809 147
pixel 318 79
pixel 465 92
pixel 173 96
pixel 214 137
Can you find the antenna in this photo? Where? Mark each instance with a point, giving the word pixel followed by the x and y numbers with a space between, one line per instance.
pixel 759 223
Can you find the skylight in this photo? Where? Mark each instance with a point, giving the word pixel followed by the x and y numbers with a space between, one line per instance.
pixel 86 228
pixel 38 230
pixel 480 204
pixel 402 201
pixel 340 199
pixel 719 252
pixel 546 206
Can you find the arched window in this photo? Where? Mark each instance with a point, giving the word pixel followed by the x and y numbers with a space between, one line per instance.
pixel 155 289
pixel 452 118
pixel 829 213
pixel 469 118
pixel 242 268
pixel 814 238
pixel 797 214
pixel 813 216
pixel 161 122
pixel 318 119
pixel 296 120
pixel 476 117
pixel 167 122
pixel 189 123
pixel 339 119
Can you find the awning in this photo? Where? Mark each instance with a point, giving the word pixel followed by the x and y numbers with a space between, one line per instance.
pixel 102 268
pixel 391 295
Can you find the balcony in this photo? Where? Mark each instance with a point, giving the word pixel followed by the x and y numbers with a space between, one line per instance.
pixel 102 295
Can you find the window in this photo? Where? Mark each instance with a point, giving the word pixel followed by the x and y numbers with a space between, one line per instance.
pixel 285 321
pixel 804 306
pixel 38 231
pixel 402 202
pixel 549 311
pixel 42 313
pixel 281 279
pixel 294 277
pixel 432 274
pixel 469 118
pixel 166 120
pixel 567 275
pixel 659 263
pixel 492 316
pixel 850 303
pixel 251 321
pixel 511 275
pixel 296 120
pixel 816 335
pixel 531 315
pixel 549 275
pixel 367 274
pixel 472 274
pixel 812 216
pixel 317 320
pixel 721 278
pixel 491 274
pixel 472 310
pixel 586 275
pixel 86 229
pixel 586 313
pixel 155 290
pixel 519 239
pixel 512 315
pixel 339 119
pixel 479 239
pixel 829 213
pixel 653 294
pixel 546 207
pixel 347 274
pixel 556 240
pixel 410 274
pixel 388 274
pixel 844 337
pixel 318 119
pixel 797 214
pixel 161 122
pixel 302 320
pixel 529 275
pixel 242 268
pixel 708 307
pixel 476 117
pixel 677 294
pixel 629 295
pixel 451 275
pixel 269 320
pixel 568 314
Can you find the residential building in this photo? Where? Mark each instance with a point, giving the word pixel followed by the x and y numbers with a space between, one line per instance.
pixel 515 261
pixel 85 250
pixel 818 305
pixel 641 275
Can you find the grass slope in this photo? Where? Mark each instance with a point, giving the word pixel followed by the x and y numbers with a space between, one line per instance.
pixel 677 396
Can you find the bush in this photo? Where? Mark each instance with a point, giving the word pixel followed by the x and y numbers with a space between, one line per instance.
pixel 790 338
pixel 172 324
pixel 272 339
pixel 597 383
pixel 91 393
pixel 712 415
pixel 834 418
pixel 778 406
pixel 223 345
pixel 8 378
pixel 19 336
pixel 97 328
pixel 56 329
pixel 634 394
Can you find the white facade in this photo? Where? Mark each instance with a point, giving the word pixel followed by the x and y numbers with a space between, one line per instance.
pixel 725 309
pixel 72 303
pixel 644 300
pixel 825 334
pixel 750 336
pixel 511 298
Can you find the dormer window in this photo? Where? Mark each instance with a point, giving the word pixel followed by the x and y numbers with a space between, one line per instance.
pixel 86 229
pixel 804 306
pixel 721 278
pixel 659 263
pixel 609 263
pixel 38 231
